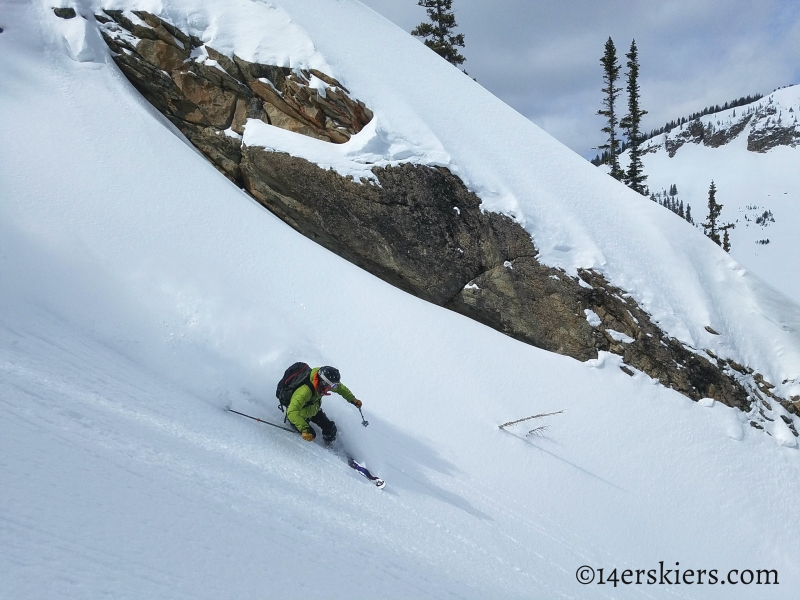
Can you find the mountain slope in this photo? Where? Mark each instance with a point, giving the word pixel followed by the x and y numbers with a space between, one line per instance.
pixel 751 153
pixel 573 228
pixel 415 226
pixel 128 322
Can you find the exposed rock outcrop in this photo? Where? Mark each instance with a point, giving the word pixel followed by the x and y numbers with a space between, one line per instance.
pixel 697 133
pixel 423 231
pixel 204 93
pixel 769 127
pixel 418 228
pixel 65 13
pixel 773 131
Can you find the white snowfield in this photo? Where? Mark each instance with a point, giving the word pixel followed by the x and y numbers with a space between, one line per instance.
pixel 748 185
pixel 141 292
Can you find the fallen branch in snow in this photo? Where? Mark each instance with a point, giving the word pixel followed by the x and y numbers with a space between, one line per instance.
pixel 538 430
pixel 539 416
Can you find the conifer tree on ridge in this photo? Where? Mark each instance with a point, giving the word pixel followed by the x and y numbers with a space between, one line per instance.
pixel 631 123
pixel 610 75
pixel 438 34
pixel 726 240
pixel 710 227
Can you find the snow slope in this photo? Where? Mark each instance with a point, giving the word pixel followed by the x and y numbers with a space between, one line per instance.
pixel 436 115
pixel 748 184
pixel 142 292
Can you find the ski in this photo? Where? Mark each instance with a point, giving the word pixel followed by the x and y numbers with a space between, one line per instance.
pixel 351 462
pixel 379 483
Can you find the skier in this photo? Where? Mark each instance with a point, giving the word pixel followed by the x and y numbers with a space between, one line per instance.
pixel 305 405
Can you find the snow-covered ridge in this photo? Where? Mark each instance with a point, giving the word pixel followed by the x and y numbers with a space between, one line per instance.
pixel 257 101
pixel 752 154
pixel 769 122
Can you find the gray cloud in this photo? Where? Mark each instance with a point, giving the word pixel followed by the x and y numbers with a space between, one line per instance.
pixel 542 58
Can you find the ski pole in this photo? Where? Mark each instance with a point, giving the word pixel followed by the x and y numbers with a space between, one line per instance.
pixel 364 422
pixel 260 420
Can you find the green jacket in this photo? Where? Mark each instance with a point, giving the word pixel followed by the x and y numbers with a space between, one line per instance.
pixel 305 404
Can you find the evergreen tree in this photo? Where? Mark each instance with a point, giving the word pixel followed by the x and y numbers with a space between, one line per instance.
pixel 632 123
pixel 438 34
pixel 726 240
pixel 689 218
pixel 610 75
pixel 710 227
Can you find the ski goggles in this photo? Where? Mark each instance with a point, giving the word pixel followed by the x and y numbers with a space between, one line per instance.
pixel 330 385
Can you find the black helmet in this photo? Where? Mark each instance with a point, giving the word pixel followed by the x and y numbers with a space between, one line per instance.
pixel 330 375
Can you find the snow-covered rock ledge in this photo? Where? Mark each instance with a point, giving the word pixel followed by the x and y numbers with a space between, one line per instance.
pixel 205 93
pixel 417 227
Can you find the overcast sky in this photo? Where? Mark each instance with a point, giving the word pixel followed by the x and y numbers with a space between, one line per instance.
pixel 543 57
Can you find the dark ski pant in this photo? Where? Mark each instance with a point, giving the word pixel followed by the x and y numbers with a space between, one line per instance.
pixel 327 426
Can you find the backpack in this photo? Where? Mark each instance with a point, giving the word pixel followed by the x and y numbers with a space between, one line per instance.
pixel 295 376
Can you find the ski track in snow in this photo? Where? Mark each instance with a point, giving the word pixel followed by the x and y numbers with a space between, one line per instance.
pixel 115 443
